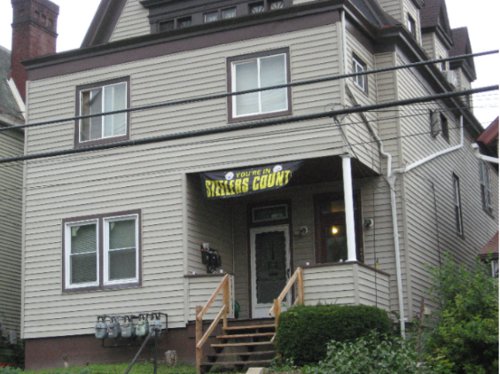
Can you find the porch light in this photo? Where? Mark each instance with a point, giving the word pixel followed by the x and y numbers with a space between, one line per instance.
pixel 334 230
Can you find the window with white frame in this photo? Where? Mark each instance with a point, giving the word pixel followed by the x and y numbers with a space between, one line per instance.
pixel 484 180
pixel 102 98
pixel 457 205
pixel 101 251
pixel 259 71
pixel 435 123
pixel 358 66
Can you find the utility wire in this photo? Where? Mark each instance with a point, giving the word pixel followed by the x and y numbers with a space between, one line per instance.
pixel 230 94
pixel 246 126
pixel 420 111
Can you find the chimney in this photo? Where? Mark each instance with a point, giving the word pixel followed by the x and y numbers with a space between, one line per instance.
pixel 34 33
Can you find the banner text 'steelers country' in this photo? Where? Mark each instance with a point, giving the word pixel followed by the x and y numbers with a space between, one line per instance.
pixel 241 182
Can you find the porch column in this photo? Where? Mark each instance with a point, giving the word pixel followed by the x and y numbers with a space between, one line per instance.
pixel 349 208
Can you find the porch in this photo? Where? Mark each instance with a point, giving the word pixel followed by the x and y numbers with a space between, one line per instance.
pixel 252 344
pixel 262 238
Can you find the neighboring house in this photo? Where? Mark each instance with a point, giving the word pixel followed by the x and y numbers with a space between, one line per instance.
pixel 31 38
pixel 11 183
pixel 375 199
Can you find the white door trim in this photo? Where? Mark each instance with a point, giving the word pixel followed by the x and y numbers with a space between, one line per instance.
pixel 262 310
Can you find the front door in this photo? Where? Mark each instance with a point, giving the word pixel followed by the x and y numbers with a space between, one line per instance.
pixel 270 266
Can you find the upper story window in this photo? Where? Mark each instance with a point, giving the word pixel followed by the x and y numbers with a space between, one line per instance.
pixel 444 127
pixel 412 26
pixel 484 180
pixel 358 66
pixel 457 204
pixel 101 251
pixel 434 123
pixel 164 17
pixel 101 98
pixel 259 71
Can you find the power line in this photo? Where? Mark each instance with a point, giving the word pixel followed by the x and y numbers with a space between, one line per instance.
pixel 218 164
pixel 246 126
pixel 231 94
pixel 422 109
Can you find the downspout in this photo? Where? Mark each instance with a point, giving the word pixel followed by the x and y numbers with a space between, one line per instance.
pixel 391 181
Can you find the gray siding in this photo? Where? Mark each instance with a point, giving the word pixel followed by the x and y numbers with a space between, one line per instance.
pixel 346 284
pixel 151 178
pixel 11 182
pixel 132 22
pixel 200 289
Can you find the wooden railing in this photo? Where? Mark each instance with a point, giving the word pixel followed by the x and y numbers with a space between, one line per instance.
pixel 296 279
pixel 201 339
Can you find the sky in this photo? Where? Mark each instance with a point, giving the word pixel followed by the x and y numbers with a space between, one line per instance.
pixel 481 18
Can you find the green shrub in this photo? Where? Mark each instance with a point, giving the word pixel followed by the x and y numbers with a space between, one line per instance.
pixel 372 353
pixel 304 331
pixel 466 330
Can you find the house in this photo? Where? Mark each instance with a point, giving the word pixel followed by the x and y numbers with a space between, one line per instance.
pixel 11 179
pixel 29 39
pixel 323 180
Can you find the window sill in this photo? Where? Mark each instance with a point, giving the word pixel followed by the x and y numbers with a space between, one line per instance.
pixel 114 287
pixel 109 140
pixel 254 117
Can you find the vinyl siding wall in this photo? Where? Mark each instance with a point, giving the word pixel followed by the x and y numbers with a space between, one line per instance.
pixel 428 191
pixel 354 125
pixel 150 177
pixel 132 22
pixel 11 182
pixel 390 132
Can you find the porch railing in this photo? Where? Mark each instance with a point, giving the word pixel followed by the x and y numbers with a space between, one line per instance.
pixel 296 279
pixel 201 338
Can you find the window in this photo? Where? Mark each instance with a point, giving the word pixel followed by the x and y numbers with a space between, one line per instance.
pixel 359 66
pixel 484 180
pixel 444 127
pixel 101 251
pixel 95 99
pixel 412 26
pixel 211 17
pixel 183 22
pixel 457 202
pixel 258 71
pixel 257 7
pixel 228 13
pixel 434 123
pixel 276 4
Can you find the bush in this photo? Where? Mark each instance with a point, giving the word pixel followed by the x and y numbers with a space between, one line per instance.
pixel 304 331
pixel 466 331
pixel 368 354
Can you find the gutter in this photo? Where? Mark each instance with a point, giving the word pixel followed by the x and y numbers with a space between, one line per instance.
pixel 480 156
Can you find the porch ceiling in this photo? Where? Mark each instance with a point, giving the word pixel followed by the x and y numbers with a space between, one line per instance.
pixel 328 169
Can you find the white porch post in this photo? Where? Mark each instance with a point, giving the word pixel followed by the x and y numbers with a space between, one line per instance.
pixel 349 208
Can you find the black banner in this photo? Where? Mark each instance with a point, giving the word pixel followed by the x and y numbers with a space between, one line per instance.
pixel 242 182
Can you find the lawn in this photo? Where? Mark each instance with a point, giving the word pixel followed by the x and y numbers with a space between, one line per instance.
pixel 107 369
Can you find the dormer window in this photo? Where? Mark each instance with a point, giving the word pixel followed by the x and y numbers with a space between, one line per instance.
pixel 189 13
pixel 255 8
pixel 183 22
pixel 228 13
pixel 412 26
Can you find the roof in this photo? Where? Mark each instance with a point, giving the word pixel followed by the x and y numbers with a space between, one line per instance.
pixel 434 16
pixel 374 13
pixel 490 248
pixel 9 109
pixel 462 46
pixel 490 134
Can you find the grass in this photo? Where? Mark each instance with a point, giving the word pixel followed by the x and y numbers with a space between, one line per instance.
pixel 108 369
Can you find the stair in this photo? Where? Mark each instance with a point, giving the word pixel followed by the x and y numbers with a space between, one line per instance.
pixel 241 346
